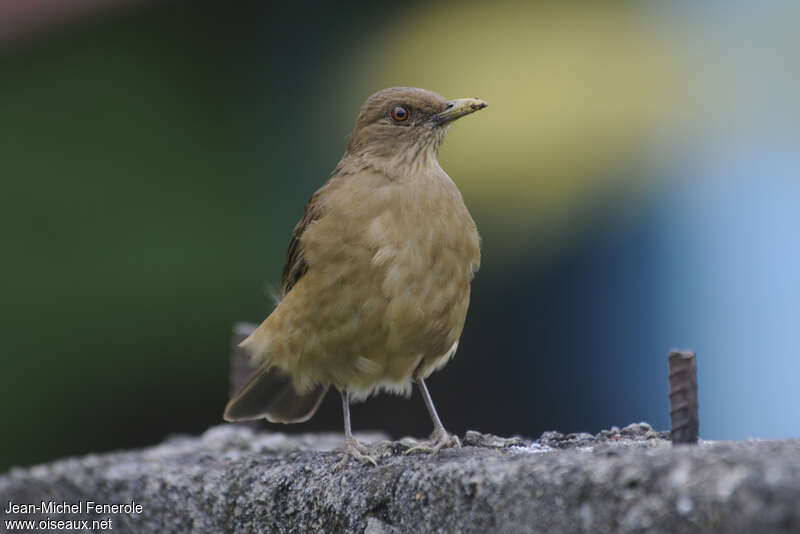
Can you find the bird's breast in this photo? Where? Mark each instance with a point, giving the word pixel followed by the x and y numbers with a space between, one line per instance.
pixel 421 239
pixel 425 246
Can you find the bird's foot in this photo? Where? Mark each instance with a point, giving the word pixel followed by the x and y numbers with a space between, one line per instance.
pixel 355 450
pixel 439 440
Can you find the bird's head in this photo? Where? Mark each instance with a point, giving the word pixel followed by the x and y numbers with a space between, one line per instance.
pixel 406 122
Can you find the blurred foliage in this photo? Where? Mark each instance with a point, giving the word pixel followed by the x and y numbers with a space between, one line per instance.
pixel 149 192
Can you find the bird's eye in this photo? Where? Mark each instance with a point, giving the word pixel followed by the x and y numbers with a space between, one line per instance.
pixel 400 114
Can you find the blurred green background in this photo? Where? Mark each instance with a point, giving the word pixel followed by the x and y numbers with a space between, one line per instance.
pixel 635 181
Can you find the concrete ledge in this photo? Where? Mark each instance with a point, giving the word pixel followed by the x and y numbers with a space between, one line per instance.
pixel 232 479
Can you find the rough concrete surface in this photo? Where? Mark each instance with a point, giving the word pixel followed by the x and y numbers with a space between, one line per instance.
pixel 232 479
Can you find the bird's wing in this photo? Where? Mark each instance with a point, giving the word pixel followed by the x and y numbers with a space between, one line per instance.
pixel 296 266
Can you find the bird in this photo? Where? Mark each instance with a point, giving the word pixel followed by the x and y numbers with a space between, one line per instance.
pixel 376 283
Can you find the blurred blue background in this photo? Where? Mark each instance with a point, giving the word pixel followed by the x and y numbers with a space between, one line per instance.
pixel 635 180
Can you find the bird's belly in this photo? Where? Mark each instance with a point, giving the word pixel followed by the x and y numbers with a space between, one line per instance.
pixel 426 300
pixel 368 325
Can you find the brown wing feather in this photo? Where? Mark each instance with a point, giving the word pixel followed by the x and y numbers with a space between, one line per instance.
pixel 296 266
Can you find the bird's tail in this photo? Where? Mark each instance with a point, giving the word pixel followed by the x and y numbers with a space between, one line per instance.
pixel 270 393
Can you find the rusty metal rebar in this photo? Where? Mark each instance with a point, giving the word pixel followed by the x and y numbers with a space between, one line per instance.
pixel 683 396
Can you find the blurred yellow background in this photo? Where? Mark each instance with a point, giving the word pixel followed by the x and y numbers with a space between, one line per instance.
pixel 575 90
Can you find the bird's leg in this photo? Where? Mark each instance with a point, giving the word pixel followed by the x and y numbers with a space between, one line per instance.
pixel 352 448
pixel 440 438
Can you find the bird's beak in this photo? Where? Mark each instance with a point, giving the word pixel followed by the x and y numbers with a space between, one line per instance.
pixel 458 108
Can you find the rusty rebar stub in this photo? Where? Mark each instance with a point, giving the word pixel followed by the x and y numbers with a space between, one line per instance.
pixel 683 396
pixel 242 367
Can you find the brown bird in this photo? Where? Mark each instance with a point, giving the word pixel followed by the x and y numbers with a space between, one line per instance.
pixel 377 277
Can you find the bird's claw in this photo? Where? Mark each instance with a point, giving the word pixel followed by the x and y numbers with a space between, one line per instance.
pixel 355 450
pixel 439 440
